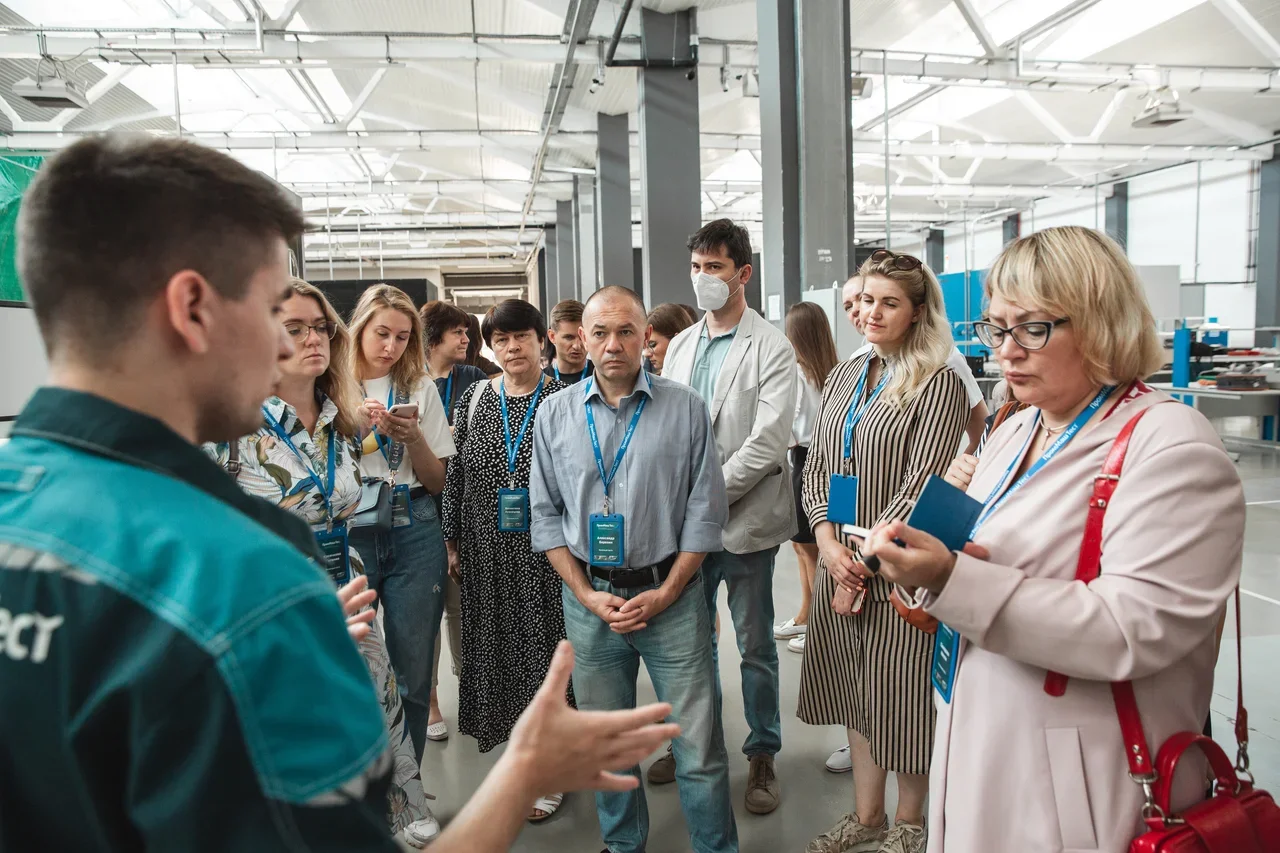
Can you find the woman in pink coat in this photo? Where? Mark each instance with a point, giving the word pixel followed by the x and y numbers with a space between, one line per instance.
pixel 1014 768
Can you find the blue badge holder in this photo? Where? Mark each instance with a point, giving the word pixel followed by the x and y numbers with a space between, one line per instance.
pixel 842 500
pixel 513 510
pixel 607 539
pixel 400 514
pixel 946 660
pixel 337 553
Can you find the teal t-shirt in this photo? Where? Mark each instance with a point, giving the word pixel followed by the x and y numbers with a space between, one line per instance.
pixel 707 361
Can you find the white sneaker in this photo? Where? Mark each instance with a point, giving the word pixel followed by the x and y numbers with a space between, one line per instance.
pixel 796 644
pixel 788 629
pixel 840 761
pixel 422 832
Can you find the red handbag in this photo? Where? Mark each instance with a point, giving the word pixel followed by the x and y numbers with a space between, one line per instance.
pixel 1238 818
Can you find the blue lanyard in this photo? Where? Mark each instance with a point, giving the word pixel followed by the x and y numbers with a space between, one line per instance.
pixel 607 479
pixel 997 498
pixel 448 393
pixel 513 449
pixel 385 444
pixel 326 491
pixel 855 411
pixel 556 368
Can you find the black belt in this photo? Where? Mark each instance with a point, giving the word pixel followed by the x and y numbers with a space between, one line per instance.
pixel 631 578
pixel 417 492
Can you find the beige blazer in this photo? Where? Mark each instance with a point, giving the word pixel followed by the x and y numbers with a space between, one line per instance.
pixel 1015 769
pixel 752 413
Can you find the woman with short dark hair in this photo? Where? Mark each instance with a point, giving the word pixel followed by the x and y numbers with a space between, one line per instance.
pixel 512 619
pixel 474 358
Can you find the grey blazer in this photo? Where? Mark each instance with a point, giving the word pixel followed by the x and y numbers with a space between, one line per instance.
pixel 751 413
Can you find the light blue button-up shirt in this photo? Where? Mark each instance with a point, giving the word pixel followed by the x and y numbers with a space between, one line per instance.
pixel 669 487
pixel 708 359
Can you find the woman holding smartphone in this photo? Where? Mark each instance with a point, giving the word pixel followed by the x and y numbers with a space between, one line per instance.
pixel 315 417
pixel 408 447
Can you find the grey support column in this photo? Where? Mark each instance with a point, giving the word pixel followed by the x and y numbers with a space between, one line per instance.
pixel 1118 214
pixel 613 194
pixel 584 220
pixel 670 158
pixel 1267 312
pixel 566 252
pixel 1012 227
pixel 935 251
pixel 779 273
pixel 551 283
pixel 825 111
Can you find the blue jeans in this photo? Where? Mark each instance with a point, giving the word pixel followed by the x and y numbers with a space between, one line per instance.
pixel 408 568
pixel 750 581
pixel 676 649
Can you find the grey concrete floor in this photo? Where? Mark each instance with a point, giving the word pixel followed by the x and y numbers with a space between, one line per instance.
pixel 812 798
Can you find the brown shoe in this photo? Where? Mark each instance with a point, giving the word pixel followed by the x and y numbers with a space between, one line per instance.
pixel 663 771
pixel 763 792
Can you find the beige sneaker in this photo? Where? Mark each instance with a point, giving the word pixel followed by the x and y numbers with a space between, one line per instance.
pixel 904 838
pixel 849 836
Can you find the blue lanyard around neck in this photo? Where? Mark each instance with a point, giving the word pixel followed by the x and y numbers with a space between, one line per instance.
pixel 997 497
pixel 607 479
pixel 448 392
pixel 514 448
pixel 855 411
pixel 385 444
pixel 556 368
pixel 326 491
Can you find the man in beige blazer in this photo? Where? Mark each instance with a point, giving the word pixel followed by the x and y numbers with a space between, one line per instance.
pixel 745 370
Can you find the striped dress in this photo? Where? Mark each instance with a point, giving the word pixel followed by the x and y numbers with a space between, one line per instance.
pixel 870 671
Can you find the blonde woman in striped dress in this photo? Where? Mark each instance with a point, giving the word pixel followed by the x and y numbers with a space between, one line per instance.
pixel 865 667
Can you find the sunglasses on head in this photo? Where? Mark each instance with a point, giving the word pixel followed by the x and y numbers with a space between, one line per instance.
pixel 900 262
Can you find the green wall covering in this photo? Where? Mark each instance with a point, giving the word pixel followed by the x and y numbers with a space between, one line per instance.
pixel 15 175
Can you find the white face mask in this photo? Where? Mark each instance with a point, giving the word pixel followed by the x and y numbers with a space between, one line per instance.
pixel 712 293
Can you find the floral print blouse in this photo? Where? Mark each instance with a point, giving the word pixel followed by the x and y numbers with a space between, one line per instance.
pixel 269 469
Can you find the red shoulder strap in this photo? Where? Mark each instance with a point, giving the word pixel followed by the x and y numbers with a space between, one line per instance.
pixel 1087 569
pixel 1090 562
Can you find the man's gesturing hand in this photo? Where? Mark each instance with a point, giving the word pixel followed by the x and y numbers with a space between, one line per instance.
pixel 555 748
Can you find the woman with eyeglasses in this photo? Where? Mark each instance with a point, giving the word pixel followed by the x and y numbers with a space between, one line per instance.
pixel 306 458
pixel 1029 752
pixel 887 421
pixel 408 448
pixel 512 618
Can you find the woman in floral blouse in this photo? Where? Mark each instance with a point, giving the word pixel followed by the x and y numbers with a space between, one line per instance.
pixel 315 413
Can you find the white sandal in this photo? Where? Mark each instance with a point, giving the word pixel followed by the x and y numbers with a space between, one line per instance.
pixel 547 805
pixel 438 731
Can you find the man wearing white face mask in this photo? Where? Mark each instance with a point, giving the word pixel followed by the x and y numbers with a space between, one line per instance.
pixel 745 370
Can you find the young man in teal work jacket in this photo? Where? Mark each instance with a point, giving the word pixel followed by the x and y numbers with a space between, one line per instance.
pixel 177 675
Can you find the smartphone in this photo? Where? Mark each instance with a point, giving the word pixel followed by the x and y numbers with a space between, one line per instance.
pixel 404 410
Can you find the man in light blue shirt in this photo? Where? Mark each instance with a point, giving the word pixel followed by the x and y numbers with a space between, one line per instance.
pixel 626 499
pixel 708 361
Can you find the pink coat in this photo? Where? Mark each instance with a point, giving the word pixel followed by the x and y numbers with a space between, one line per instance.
pixel 1015 769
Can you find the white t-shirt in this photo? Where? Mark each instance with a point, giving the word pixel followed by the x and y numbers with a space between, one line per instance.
pixel 957 363
pixel 808 399
pixel 432 420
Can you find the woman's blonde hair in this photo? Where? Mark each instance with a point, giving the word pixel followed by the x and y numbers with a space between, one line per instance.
pixel 1082 275
pixel 337 382
pixel 928 343
pixel 410 370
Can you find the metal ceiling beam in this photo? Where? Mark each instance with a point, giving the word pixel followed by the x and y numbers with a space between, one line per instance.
pixel 213 49
pixel 358 104
pixel 1053 21
pixel 577 26
pixel 423 140
pixel 1258 35
pixel 980 31
pixel 286 15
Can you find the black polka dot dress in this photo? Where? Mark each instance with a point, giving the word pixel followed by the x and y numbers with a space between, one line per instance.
pixel 512 617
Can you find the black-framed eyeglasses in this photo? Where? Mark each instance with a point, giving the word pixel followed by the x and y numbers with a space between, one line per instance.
pixel 1030 336
pixel 299 331
pixel 900 262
